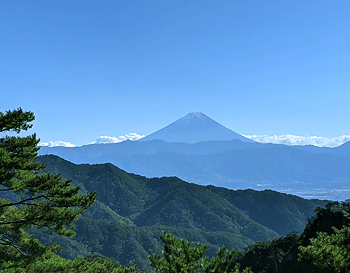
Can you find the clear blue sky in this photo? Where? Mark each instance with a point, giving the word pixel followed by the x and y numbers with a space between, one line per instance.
pixel 87 68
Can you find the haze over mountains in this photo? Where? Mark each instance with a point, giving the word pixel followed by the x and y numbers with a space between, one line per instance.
pixel 197 149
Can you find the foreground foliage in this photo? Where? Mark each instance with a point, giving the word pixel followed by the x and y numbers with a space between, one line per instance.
pixel 180 256
pixel 51 262
pixel 41 200
pixel 329 251
pixel 324 246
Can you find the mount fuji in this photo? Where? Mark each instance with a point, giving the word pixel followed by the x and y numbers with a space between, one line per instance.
pixel 197 149
pixel 195 127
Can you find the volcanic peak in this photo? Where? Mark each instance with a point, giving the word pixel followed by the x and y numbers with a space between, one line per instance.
pixel 195 127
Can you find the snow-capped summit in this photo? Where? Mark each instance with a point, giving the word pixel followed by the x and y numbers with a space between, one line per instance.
pixel 195 127
pixel 193 118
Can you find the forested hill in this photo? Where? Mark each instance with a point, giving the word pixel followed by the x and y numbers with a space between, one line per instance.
pixel 130 205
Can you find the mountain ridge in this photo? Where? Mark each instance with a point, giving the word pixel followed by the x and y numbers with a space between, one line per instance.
pixel 134 209
pixel 130 194
pixel 232 164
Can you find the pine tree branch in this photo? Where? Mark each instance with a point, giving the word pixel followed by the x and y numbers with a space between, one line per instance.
pixel 9 243
pixel 24 221
pixel 9 189
pixel 24 201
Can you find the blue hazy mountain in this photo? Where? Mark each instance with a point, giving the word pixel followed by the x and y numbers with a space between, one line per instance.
pixel 234 163
pixel 195 127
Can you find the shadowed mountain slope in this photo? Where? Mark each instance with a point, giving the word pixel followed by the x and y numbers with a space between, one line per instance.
pixel 131 210
pixel 172 202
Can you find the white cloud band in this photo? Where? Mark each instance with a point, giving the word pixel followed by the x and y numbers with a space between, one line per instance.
pixel 282 139
pixel 99 140
pixel 111 139
pixel 301 140
pixel 56 144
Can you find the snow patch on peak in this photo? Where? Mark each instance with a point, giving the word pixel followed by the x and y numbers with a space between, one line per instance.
pixel 194 117
pixel 197 114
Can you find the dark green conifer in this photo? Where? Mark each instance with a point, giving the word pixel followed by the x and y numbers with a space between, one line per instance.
pixel 43 201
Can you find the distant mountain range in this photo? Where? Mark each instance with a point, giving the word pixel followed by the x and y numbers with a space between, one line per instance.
pixel 198 149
